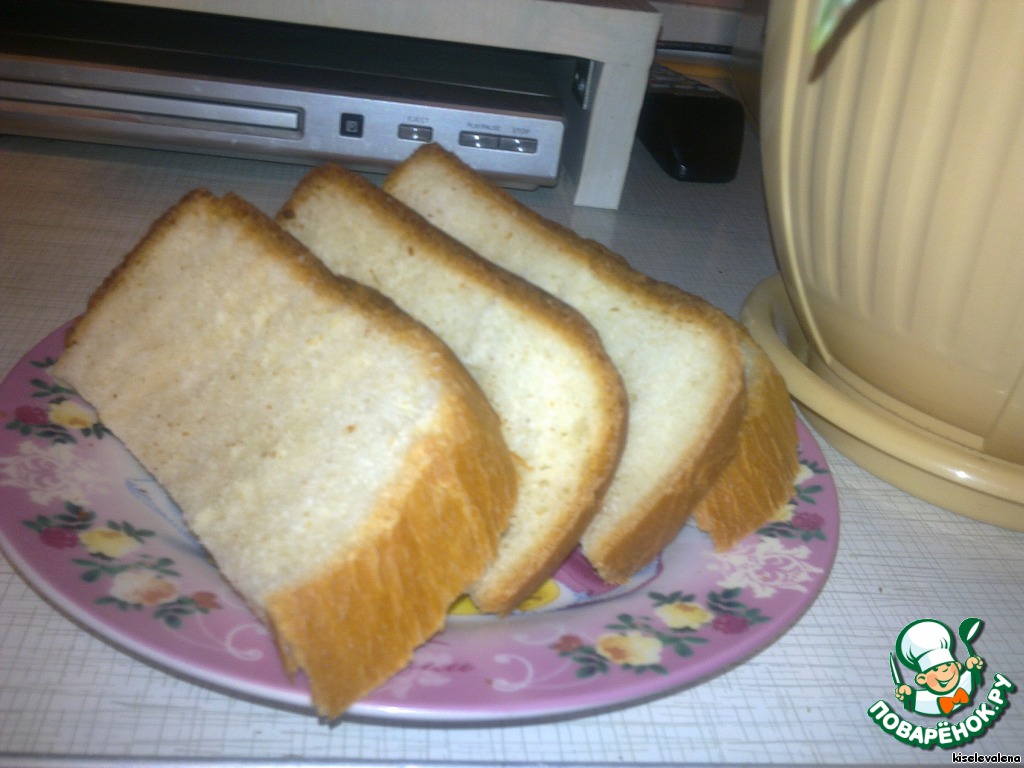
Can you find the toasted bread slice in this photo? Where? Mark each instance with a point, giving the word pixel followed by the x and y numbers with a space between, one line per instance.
pixel 560 400
pixel 333 456
pixel 679 357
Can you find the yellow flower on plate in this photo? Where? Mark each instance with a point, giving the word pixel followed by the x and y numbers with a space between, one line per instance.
pixel 784 513
pixel 107 542
pixel 683 615
pixel 633 648
pixel 142 588
pixel 546 594
pixel 70 414
pixel 464 606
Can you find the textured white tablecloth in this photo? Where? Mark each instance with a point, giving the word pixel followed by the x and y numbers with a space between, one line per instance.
pixel 67 215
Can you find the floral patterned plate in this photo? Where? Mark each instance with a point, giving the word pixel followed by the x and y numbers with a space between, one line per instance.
pixel 88 527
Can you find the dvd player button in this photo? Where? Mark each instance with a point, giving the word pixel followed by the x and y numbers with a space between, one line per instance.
pixel 351 125
pixel 478 140
pixel 410 132
pixel 513 144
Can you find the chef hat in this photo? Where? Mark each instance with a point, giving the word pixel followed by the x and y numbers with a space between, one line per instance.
pixel 925 644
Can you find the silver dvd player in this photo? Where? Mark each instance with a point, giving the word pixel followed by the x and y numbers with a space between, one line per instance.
pixel 124 74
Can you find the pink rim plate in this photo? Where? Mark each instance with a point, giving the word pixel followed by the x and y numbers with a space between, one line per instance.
pixel 95 535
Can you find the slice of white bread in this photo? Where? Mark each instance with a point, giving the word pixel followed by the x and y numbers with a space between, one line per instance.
pixel 560 400
pixel 679 357
pixel 336 460
pixel 759 479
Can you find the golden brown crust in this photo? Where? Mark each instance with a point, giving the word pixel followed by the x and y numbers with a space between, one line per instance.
pixel 759 479
pixel 358 622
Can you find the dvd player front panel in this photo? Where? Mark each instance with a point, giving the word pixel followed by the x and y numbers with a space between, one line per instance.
pixel 516 144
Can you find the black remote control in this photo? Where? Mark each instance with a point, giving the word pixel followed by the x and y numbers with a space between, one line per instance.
pixel 693 131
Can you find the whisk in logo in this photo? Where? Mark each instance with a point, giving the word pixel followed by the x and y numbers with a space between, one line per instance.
pixel 932 683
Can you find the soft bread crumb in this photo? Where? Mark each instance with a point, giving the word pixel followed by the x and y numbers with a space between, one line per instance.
pixel 540 363
pixel 679 357
pixel 339 464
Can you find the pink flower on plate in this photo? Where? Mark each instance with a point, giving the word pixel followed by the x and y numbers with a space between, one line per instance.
pixel 807 520
pixel 567 644
pixel 58 538
pixel 31 414
pixel 730 624
pixel 206 601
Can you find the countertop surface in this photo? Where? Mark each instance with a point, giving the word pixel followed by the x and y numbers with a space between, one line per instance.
pixel 69 212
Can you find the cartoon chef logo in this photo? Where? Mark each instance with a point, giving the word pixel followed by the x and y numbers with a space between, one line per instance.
pixel 940 687
pixel 946 685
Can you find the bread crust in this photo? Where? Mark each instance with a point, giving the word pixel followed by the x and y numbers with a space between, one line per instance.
pixel 617 551
pixel 423 541
pixel 349 628
pixel 531 551
pixel 759 479
pixel 657 519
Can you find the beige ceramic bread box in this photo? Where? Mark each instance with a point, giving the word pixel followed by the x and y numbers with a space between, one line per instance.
pixel 894 173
